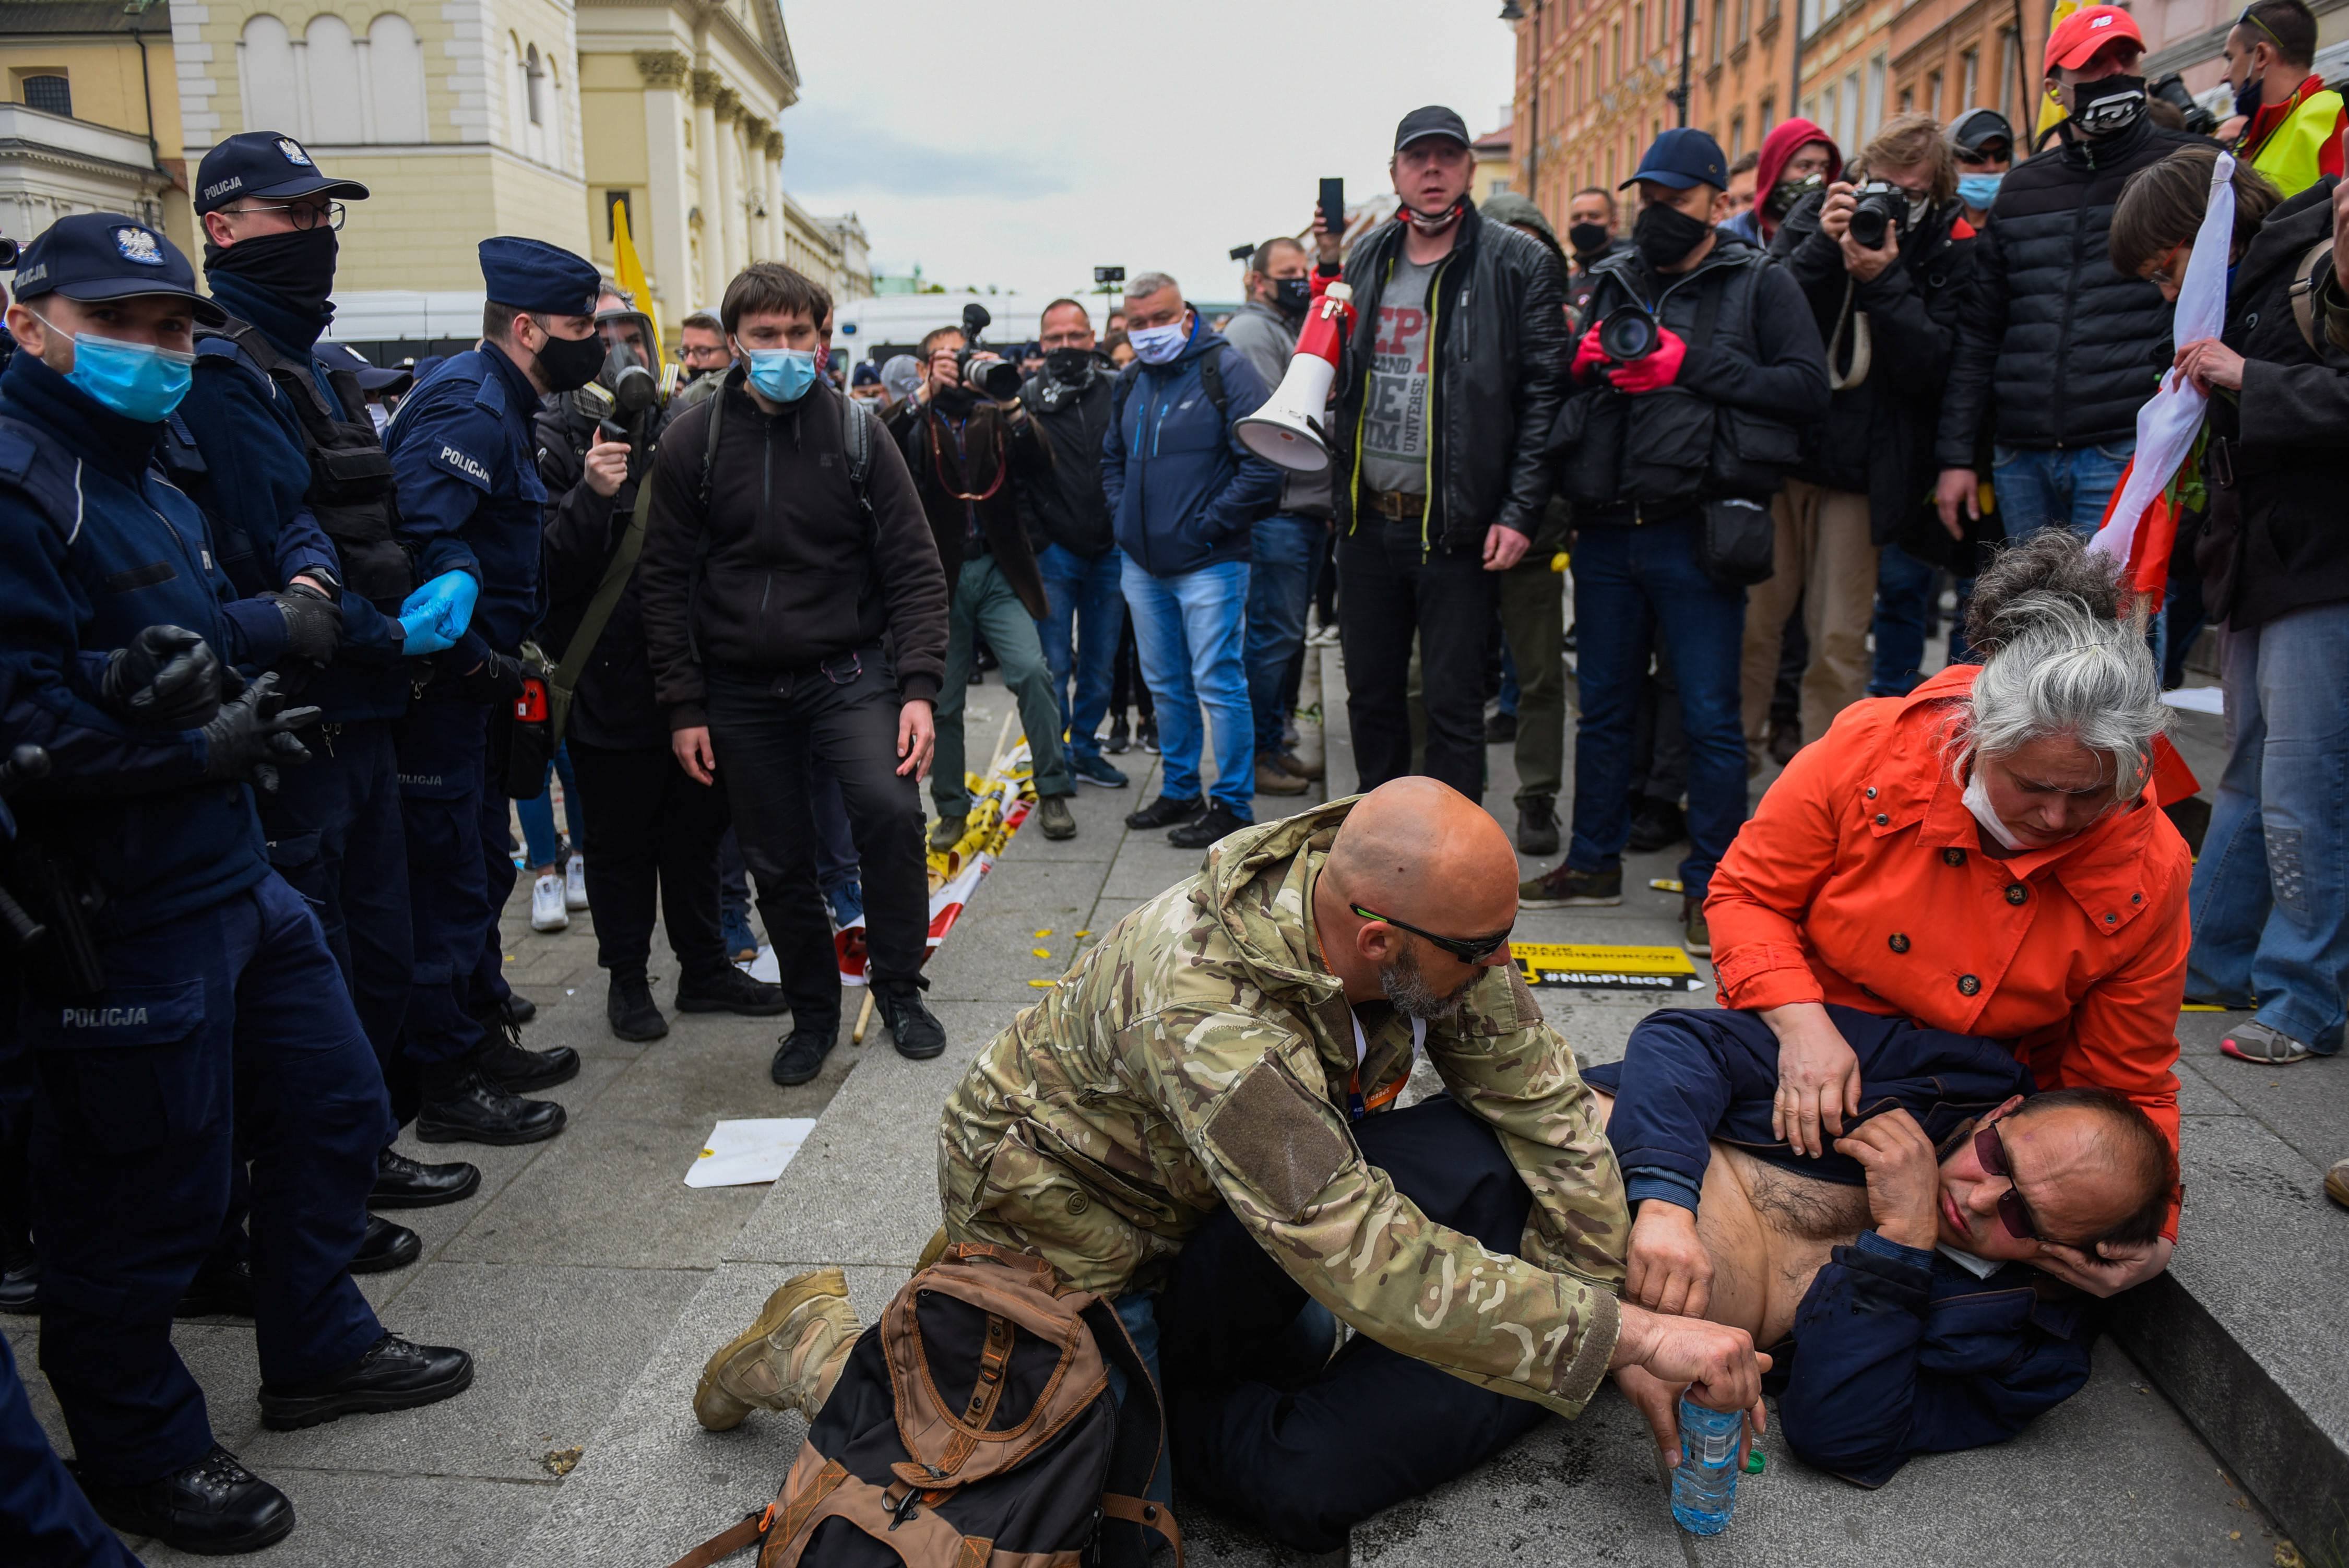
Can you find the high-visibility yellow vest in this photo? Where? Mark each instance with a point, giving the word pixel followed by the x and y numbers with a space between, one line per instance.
pixel 2289 157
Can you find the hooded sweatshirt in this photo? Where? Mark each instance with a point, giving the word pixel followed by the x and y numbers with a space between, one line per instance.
pixel 1779 146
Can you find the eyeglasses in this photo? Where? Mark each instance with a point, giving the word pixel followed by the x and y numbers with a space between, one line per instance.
pixel 1990 1152
pixel 2172 272
pixel 304 215
pixel 1982 155
pixel 1468 950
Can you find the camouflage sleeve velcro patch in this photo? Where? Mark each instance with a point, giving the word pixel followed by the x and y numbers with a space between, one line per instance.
pixel 1276 1138
pixel 1574 1380
pixel 1530 1011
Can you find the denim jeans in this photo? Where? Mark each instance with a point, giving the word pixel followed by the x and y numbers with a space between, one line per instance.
pixel 537 814
pixel 1285 551
pixel 1188 630
pixel 1081 637
pixel 2042 487
pixel 1904 593
pixel 1631 582
pixel 2271 900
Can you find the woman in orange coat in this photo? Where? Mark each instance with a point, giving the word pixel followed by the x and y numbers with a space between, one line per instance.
pixel 1984 856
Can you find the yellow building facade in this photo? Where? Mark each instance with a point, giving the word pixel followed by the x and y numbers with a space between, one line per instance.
pixel 91 121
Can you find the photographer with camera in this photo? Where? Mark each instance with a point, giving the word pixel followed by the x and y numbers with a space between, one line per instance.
pixel 1884 259
pixel 1690 393
pixel 651 832
pixel 2056 350
pixel 972 448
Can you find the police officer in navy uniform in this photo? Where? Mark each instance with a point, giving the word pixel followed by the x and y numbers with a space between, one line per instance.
pixel 213 1024
pixel 288 467
pixel 466 466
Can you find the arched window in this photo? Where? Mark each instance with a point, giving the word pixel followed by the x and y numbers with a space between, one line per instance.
pixel 266 67
pixel 534 83
pixel 395 79
pixel 333 69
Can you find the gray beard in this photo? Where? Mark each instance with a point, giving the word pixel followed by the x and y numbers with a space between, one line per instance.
pixel 1413 997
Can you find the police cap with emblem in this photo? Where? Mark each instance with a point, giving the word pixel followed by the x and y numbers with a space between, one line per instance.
pixel 94 256
pixel 269 166
pixel 530 275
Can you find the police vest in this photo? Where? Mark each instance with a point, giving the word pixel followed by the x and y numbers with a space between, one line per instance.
pixel 350 494
pixel 2289 157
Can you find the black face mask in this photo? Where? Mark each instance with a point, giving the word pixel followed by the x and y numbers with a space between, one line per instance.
pixel 1070 367
pixel 298 266
pixel 2108 104
pixel 1588 238
pixel 569 363
pixel 1665 235
pixel 1292 295
pixel 955 401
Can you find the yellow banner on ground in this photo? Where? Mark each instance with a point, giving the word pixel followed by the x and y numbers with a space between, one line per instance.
pixel 1607 968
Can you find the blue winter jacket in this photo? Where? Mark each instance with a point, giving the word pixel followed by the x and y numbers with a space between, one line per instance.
pixel 1182 490
pixel 1895 1351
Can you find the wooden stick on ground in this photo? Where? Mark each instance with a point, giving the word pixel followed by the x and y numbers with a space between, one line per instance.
pixel 863 1015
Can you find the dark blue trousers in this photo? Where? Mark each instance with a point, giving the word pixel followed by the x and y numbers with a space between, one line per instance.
pixel 227 1030
pixel 336 836
pixel 441 749
pixel 45 1521
pixel 1304 1458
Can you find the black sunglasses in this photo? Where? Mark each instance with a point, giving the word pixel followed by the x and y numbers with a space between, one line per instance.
pixel 1994 152
pixel 1990 1151
pixel 1468 950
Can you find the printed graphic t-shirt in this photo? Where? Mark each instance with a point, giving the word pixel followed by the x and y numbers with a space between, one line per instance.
pixel 1395 414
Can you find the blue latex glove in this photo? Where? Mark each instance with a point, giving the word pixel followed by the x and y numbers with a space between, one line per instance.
pixel 436 615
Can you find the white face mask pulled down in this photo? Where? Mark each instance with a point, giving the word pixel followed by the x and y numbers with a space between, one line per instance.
pixel 1977 798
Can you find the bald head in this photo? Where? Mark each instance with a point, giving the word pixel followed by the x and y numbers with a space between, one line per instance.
pixel 1422 850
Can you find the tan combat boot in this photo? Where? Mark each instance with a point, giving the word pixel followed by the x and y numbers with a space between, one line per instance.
pixel 788 1360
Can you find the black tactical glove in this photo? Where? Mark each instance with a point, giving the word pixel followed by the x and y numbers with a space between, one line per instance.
pixel 168 678
pixel 499 679
pixel 253 736
pixel 314 622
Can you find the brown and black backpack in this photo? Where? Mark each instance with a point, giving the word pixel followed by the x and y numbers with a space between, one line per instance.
pixel 973 1428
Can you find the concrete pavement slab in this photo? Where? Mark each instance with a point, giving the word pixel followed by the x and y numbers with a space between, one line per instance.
pixel 713 1066
pixel 368 1521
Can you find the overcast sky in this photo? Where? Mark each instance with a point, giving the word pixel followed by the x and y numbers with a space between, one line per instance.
pixel 1022 143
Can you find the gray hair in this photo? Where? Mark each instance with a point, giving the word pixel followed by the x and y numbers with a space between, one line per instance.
pixel 2060 662
pixel 1150 283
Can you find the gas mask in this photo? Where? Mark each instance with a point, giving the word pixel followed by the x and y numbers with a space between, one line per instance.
pixel 635 384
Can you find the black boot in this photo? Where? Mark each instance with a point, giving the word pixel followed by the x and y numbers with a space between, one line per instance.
pixel 460 1106
pixel 914 1027
pixel 404 1183
pixel 1656 825
pixel 729 990
pixel 219 1289
pixel 212 1508
pixel 386 1247
pixel 518 1010
pixel 1166 811
pixel 505 1063
pixel 1216 821
pixel 799 1055
pixel 1537 826
pixel 628 1007
pixel 393 1375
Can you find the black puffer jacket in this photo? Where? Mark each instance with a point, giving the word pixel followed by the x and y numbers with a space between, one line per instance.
pixel 2275 542
pixel 1730 424
pixel 1499 353
pixel 1877 437
pixel 2055 346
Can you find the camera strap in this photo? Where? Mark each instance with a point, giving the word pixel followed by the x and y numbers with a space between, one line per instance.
pixel 1851 325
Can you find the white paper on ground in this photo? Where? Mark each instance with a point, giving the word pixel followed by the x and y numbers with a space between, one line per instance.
pixel 2197 699
pixel 740 1153
pixel 764 968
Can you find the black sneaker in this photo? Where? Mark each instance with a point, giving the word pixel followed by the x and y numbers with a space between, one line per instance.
pixel 1166 811
pixel 1053 817
pixel 506 1065
pixel 1567 888
pixel 20 1284
pixel 1537 826
pixel 1656 825
pixel 1147 738
pixel 393 1375
pixel 386 1247
pixel 800 1055
pixel 729 990
pixel 1120 739
pixel 914 1028
pixel 213 1508
pixel 472 1109
pixel 1217 821
pixel 404 1183
pixel 628 1009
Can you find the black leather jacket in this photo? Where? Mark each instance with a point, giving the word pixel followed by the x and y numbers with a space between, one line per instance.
pixel 2056 345
pixel 1499 350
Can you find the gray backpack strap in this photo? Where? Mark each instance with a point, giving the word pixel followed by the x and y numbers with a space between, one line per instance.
pixel 2314 262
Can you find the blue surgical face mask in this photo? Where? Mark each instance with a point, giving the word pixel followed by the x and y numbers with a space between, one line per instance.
pixel 1158 345
pixel 783 375
pixel 1976 191
pixel 136 380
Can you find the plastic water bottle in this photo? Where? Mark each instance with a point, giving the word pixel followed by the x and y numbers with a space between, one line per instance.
pixel 1704 1484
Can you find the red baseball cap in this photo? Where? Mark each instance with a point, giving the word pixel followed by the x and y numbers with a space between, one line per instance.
pixel 2086 30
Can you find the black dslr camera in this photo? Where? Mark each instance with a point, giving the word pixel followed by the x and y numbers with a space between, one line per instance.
pixel 2171 90
pixel 1628 333
pixel 1879 208
pixel 996 378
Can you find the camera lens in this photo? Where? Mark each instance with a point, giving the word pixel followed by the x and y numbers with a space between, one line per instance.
pixel 999 378
pixel 1629 333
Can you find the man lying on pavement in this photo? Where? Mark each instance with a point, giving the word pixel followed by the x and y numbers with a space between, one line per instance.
pixel 1190 1124
pixel 1890 1277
